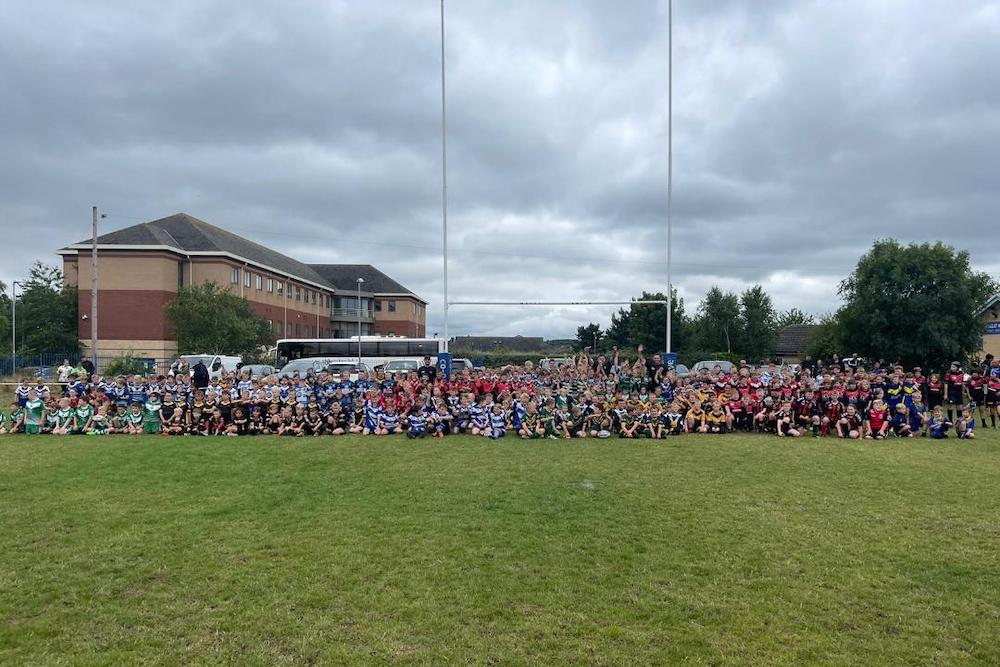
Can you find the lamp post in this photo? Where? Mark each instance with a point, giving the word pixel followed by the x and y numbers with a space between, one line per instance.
pixel 13 326
pixel 360 282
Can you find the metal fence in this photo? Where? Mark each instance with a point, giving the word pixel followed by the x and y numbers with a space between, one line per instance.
pixel 46 364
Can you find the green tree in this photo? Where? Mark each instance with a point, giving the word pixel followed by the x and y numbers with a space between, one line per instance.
pixel 211 319
pixel 646 324
pixel 913 304
pixel 827 339
pixel 589 337
pixel 757 321
pixel 718 325
pixel 47 313
pixel 792 316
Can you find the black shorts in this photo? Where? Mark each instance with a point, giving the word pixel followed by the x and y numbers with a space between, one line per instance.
pixel 954 397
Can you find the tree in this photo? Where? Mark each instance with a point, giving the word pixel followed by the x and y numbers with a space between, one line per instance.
pixel 588 337
pixel 646 324
pixel 827 339
pixel 211 319
pixel 757 320
pixel 718 325
pixel 792 316
pixel 47 313
pixel 913 304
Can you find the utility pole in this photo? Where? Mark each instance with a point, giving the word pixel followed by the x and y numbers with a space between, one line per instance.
pixel 93 287
pixel 444 182
pixel 13 327
pixel 670 166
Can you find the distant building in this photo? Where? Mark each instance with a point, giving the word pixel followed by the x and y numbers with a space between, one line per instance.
pixel 140 269
pixel 989 319
pixel 792 342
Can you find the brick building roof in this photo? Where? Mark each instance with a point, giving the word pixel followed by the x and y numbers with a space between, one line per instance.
pixel 187 234
pixel 794 338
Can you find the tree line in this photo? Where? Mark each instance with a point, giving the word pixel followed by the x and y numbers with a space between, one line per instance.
pixel 913 304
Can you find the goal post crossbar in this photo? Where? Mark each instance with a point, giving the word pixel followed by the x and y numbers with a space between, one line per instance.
pixel 555 303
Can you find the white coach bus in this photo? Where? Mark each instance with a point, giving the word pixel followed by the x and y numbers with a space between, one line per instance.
pixel 375 350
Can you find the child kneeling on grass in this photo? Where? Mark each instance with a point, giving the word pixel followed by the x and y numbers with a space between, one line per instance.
pixel 416 423
pixel 937 425
pixel 965 428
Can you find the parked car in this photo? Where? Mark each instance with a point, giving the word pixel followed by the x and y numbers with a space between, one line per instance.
pixel 347 369
pixel 726 366
pixel 460 364
pixel 257 370
pixel 682 370
pixel 400 366
pixel 307 365
pixel 217 364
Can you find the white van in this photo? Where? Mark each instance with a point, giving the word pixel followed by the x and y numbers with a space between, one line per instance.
pixel 217 364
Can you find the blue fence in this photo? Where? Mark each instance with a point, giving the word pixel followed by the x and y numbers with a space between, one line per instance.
pixel 47 364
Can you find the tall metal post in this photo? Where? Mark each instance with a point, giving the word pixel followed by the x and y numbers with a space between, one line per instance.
pixel 670 163
pixel 360 281
pixel 444 182
pixel 13 327
pixel 93 287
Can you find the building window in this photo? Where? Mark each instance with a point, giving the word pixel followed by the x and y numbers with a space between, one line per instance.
pixel 392 305
pixel 270 284
pixel 247 279
pixel 260 282
pixel 236 277
pixel 378 305
pixel 298 294
pixel 288 329
pixel 281 287
pixel 180 275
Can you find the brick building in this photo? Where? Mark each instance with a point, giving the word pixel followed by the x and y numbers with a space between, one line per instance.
pixel 140 269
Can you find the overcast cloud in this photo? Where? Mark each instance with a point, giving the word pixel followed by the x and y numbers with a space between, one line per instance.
pixel 803 131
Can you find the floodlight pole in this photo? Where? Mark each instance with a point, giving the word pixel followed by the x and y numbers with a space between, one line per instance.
pixel 444 182
pixel 93 287
pixel 13 327
pixel 670 161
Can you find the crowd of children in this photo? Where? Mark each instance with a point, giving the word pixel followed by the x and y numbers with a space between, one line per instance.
pixel 591 398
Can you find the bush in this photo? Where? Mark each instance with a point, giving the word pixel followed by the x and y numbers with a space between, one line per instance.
pixel 127 364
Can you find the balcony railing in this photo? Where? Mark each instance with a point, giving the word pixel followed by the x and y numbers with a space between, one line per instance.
pixel 351 314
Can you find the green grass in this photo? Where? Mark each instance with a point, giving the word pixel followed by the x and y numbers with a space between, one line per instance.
pixel 733 550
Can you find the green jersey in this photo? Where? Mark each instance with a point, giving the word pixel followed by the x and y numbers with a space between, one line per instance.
pixel 84 412
pixel 151 412
pixel 64 416
pixel 16 416
pixel 33 412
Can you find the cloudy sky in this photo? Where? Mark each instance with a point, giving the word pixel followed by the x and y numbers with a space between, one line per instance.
pixel 803 130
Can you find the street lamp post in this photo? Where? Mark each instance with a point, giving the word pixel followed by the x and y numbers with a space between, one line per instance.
pixel 360 282
pixel 13 326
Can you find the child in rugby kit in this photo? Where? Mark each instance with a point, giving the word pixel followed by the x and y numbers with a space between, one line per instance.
pixel 965 427
pixel 498 423
pixel 416 423
pixel 34 413
pixel 100 424
pixel 938 425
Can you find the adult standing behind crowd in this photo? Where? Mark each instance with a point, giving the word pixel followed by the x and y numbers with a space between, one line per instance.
pixel 199 375
pixel 428 372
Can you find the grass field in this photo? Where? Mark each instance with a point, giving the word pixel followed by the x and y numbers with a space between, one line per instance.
pixel 739 550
